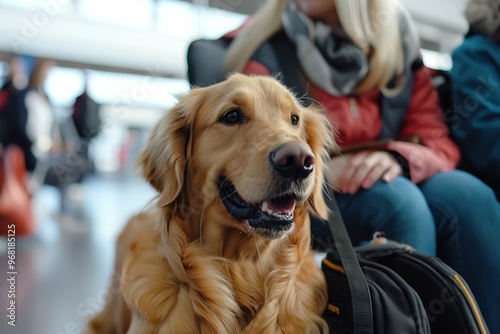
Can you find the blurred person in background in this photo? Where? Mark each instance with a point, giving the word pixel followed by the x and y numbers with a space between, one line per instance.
pixel 360 61
pixel 13 112
pixel 475 81
pixel 41 125
pixel 17 77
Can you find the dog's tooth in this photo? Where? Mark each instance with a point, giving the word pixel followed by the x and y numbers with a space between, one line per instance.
pixel 269 211
pixel 264 206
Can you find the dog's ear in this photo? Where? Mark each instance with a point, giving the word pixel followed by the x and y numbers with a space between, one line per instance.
pixel 321 139
pixel 166 154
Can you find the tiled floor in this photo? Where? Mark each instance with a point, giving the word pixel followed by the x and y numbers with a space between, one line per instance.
pixel 64 269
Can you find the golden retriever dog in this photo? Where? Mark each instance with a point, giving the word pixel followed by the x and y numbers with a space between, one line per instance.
pixel 226 248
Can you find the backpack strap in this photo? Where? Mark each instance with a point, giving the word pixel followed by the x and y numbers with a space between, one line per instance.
pixel 358 286
pixel 289 67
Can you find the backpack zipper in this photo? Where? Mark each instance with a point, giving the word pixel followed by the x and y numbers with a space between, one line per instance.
pixel 472 304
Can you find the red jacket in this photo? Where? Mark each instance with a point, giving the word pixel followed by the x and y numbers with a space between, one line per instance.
pixel 357 120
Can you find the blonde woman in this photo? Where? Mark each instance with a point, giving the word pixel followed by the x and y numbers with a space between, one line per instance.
pixel 360 61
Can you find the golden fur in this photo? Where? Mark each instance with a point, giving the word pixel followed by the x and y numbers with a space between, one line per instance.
pixel 187 266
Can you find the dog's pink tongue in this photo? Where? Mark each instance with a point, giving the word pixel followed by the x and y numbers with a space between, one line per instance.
pixel 281 205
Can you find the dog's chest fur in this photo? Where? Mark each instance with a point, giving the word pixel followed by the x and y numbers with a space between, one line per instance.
pixel 206 292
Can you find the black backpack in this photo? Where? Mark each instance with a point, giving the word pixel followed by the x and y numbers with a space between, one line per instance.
pixel 390 289
pixel 86 116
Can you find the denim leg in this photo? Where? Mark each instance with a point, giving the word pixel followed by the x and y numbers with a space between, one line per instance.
pixel 398 209
pixel 467 217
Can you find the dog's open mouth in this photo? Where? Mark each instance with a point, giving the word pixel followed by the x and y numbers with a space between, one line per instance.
pixel 275 214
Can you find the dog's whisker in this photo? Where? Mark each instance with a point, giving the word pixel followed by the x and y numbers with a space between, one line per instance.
pixel 243 186
pixel 257 248
pixel 201 225
pixel 265 245
pixel 327 193
pixel 229 195
pixel 305 97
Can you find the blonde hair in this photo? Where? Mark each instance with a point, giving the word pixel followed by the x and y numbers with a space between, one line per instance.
pixel 371 24
pixel 484 17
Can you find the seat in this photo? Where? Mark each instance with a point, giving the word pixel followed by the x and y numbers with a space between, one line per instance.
pixel 205 59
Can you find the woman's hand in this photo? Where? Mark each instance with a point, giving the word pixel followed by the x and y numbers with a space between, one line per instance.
pixel 347 173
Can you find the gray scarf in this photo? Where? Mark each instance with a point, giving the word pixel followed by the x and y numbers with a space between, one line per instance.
pixel 328 56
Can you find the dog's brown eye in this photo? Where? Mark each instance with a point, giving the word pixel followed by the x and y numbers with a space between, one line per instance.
pixel 232 117
pixel 295 120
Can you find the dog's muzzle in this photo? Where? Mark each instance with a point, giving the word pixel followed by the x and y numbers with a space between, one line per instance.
pixel 273 216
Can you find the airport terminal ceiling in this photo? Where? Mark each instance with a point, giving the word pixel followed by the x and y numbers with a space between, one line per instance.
pixel 94 34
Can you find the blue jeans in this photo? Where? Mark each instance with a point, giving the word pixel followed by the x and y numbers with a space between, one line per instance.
pixel 452 215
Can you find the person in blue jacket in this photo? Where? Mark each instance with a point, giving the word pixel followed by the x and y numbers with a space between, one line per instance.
pixel 475 77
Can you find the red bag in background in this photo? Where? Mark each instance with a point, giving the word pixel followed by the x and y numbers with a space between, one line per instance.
pixel 16 213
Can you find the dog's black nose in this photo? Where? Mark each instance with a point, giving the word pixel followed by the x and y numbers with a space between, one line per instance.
pixel 293 160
